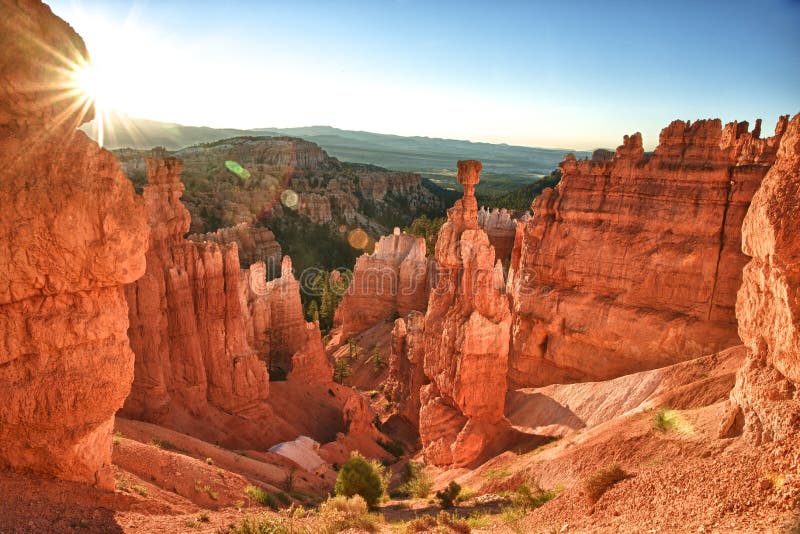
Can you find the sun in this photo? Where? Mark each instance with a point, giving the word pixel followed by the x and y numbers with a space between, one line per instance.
pixel 90 82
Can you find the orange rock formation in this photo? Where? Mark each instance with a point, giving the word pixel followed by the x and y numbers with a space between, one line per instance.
pixel 500 228
pixel 466 338
pixel 392 280
pixel 254 243
pixel 186 321
pixel 72 232
pixel 766 399
pixel 633 262
pixel 406 372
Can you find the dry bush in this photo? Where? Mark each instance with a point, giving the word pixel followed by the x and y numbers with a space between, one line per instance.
pixel 444 522
pixel 340 513
pixel 601 481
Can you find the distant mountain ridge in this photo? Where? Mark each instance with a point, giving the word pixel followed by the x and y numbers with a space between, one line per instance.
pixel 505 166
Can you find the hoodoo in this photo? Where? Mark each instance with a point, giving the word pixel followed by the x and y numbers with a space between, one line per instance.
pixel 392 280
pixel 186 322
pixel 466 338
pixel 72 232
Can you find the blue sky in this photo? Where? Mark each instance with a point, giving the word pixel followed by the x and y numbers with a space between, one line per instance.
pixel 559 74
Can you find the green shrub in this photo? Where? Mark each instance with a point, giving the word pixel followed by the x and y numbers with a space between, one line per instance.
pixel 447 496
pixel 261 496
pixel 528 499
pixel 601 481
pixel 666 420
pixel 417 483
pixel 392 447
pixel 360 477
pixel 265 525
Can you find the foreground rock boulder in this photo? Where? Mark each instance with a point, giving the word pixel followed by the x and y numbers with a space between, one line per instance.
pixel 766 399
pixel 466 339
pixel 72 232
pixel 633 261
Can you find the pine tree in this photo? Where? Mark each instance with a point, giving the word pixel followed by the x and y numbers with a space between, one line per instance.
pixel 377 360
pixel 341 370
pixel 312 311
pixel 353 347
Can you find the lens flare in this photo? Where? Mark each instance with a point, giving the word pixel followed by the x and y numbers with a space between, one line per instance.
pixel 237 169
pixel 290 199
pixel 358 239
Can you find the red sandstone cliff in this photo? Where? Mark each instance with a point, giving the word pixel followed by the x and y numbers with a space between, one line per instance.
pixel 72 233
pixel 633 262
pixel 186 324
pixel 253 243
pixel 406 371
pixel 466 338
pixel 392 280
pixel 766 398
pixel 276 325
pixel 205 331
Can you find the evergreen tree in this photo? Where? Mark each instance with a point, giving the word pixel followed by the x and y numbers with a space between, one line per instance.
pixel 341 370
pixel 352 346
pixel 312 311
pixel 377 360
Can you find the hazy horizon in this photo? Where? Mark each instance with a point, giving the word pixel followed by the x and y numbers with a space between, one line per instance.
pixel 540 74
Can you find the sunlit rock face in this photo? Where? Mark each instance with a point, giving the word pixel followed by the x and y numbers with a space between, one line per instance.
pixel 766 399
pixel 186 321
pixel 254 243
pixel 466 339
pixel 391 281
pixel 205 331
pixel 72 232
pixel 633 261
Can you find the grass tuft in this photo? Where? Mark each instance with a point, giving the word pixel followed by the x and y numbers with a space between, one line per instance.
pixel 602 480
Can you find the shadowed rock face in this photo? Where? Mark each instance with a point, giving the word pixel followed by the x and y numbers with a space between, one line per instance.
pixel 466 339
pixel 72 232
pixel 500 228
pixel 766 399
pixel 633 262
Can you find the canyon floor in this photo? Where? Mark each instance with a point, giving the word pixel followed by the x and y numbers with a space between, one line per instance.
pixel 679 477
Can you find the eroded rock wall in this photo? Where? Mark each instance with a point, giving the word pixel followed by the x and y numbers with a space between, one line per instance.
pixel 766 398
pixel 633 262
pixel 253 243
pixel 72 232
pixel 501 229
pixel 186 321
pixel 406 371
pixel 391 281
